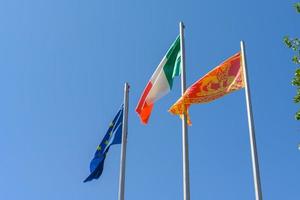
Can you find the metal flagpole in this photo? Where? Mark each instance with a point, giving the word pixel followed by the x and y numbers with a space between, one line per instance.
pixel 124 143
pixel 185 144
pixel 255 166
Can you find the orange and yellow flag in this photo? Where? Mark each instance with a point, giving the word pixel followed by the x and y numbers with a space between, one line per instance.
pixel 222 80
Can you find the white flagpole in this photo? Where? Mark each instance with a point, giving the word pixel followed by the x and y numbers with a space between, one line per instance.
pixel 124 143
pixel 185 144
pixel 255 166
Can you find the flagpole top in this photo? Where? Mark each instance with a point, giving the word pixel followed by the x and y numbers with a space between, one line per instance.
pixel 126 85
pixel 181 24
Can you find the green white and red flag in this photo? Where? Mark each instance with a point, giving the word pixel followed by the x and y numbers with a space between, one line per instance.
pixel 161 81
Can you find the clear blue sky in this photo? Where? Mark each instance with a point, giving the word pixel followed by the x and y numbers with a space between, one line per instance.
pixel 63 66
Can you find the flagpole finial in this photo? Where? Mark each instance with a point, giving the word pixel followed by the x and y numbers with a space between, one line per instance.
pixel 126 85
pixel 242 42
pixel 181 24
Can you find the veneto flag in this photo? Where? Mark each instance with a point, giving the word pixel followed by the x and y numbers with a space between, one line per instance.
pixel 161 81
pixel 222 80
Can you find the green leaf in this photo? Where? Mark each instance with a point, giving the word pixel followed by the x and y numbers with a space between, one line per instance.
pixel 295 59
pixel 296 81
pixel 297 99
pixel 287 41
pixel 297 115
pixel 297 6
pixel 297 73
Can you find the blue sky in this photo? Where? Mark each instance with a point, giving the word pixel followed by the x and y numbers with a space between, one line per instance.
pixel 63 67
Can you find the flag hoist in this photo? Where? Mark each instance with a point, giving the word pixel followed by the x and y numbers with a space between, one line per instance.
pixel 229 76
pixel 160 83
pixel 116 134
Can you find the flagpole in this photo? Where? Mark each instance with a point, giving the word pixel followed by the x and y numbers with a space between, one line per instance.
pixel 185 144
pixel 255 165
pixel 124 143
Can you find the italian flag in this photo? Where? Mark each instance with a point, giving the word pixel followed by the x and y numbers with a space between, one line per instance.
pixel 161 81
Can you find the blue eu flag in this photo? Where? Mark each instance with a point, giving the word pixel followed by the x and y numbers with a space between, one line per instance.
pixel 112 136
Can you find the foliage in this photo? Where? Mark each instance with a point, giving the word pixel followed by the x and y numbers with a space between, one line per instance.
pixel 297 6
pixel 294 44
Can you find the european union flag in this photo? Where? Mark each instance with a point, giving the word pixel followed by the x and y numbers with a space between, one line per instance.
pixel 112 136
